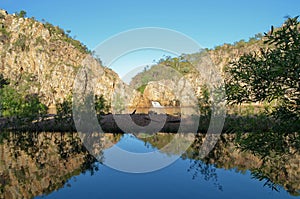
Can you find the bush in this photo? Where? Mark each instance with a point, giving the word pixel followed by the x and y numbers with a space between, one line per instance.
pixel 24 108
pixel 64 109
pixel 21 14
pixel 101 105
pixel 271 74
pixel 21 43
pixel 141 89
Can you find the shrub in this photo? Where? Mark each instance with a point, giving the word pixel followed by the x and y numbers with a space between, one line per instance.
pixel 21 14
pixel 24 108
pixel 21 43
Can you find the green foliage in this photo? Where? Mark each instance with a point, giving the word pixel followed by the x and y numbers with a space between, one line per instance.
pixel 40 41
pixel 3 81
pixel 204 101
pixel 141 89
pixel 21 43
pixel 21 107
pixel 257 37
pixel 101 105
pixel 4 33
pixel 271 74
pixel 21 14
pixel 54 29
pixel 64 109
pixel 180 64
pixel 240 44
pixel 59 32
pixel 167 68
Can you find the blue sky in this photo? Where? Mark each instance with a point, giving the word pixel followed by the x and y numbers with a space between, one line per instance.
pixel 210 23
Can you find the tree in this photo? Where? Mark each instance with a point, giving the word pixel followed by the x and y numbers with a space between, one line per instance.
pixel 100 104
pixel 64 109
pixel 18 107
pixel 3 81
pixel 271 74
pixel 22 14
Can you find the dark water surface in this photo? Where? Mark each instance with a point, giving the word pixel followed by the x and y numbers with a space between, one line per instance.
pixel 57 165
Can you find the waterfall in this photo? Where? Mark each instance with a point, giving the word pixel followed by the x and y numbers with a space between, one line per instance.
pixel 156 104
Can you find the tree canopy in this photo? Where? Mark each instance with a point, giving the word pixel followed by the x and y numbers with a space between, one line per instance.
pixel 270 75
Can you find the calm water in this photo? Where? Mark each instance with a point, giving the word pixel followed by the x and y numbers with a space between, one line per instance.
pixel 56 165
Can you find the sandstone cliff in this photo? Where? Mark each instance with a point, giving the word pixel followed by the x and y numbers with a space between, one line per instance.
pixel 197 69
pixel 41 58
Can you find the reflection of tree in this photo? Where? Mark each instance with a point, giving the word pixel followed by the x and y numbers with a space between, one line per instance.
pixel 201 165
pixel 270 157
pixel 39 163
pixel 279 154
pixel 261 176
pixel 207 171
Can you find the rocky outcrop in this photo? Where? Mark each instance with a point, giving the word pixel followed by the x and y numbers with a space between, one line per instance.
pixel 41 58
pixel 203 68
pixel 161 91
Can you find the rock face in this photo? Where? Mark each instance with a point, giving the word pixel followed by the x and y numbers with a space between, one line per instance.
pixel 171 93
pixel 206 67
pixel 160 91
pixel 42 59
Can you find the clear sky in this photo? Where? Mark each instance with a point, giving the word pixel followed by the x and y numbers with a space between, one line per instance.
pixel 209 22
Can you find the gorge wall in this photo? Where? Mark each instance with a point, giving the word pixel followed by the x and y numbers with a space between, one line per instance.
pixel 39 58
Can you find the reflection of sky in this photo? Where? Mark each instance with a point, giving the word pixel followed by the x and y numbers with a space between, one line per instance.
pixel 171 182
pixel 129 143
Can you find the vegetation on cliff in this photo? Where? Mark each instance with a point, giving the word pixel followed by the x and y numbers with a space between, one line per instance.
pixel 38 65
pixel 263 70
pixel 271 74
pixel 45 59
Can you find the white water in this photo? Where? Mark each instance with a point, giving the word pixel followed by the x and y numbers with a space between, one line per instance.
pixel 156 104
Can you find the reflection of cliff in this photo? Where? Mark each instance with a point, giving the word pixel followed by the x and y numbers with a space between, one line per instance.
pixel 95 142
pixel 39 163
pixel 274 169
pixel 283 169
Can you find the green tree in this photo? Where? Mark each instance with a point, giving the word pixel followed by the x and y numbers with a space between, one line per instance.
pixel 18 107
pixel 271 74
pixel 22 14
pixel 100 104
pixel 3 81
pixel 204 101
pixel 64 109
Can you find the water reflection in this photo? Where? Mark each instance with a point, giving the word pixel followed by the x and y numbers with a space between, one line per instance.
pixel 39 163
pixel 35 164
pixel 275 168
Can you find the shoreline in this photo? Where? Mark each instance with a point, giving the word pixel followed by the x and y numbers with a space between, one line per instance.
pixel 141 122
